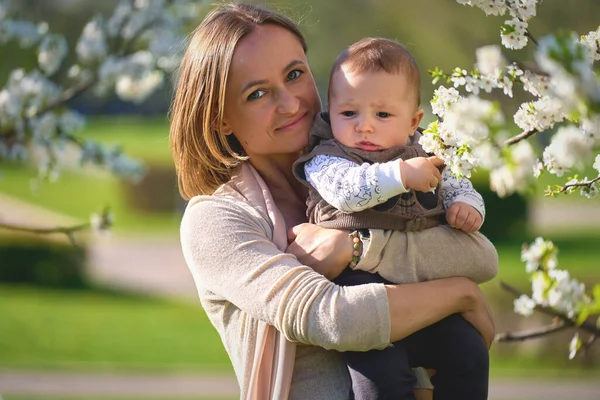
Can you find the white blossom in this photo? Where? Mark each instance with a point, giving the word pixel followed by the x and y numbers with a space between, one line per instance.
pixel 540 283
pixel 592 43
pixel 516 38
pixel 590 191
pixel 538 168
pixel 523 9
pixel 71 122
pixel 568 148
pixel 44 127
pixel 487 155
pixel 574 345
pixel 524 306
pixel 597 163
pixel 489 59
pixel 52 51
pixel 442 99
pixel 534 254
pixel 539 115
pixel 470 119
pixel 102 222
pixel 514 176
pixel 26 33
pixel 537 85
pixel 138 89
pixel 92 46
pixel 490 7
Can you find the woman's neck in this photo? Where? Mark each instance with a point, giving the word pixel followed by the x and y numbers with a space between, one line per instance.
pixel 288 193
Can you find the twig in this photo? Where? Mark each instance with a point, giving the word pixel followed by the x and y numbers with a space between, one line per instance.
pixel 519 137
pixel 579 184
pixel 530 36
pixel 67 230
pixel 586 326
pixel 531 333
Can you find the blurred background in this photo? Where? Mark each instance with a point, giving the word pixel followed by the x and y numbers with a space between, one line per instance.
pixel 117 316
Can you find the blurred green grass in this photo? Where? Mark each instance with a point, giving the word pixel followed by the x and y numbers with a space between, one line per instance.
pixel 103 330
pixel 146 138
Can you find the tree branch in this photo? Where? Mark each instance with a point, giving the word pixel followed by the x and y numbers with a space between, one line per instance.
pixel 586 326
pixel 519 137
pixel 531 333
pixel 530 36
pixel 579 184
pixel 67 230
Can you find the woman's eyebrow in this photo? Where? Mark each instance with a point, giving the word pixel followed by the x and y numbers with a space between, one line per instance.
pixel 264 81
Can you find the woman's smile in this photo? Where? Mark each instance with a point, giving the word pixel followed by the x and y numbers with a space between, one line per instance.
pixel 293 123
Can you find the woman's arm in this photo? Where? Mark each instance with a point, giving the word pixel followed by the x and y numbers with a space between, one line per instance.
pixel 417 305
pixel 412 306
pixel 228 247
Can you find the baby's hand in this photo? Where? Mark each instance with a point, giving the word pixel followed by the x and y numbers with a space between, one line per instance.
pixel 421 173
pixel 463 216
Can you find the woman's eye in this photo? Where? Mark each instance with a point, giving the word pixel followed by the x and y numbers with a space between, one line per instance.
pixel 383 114
pixel 257 94
pixel 295 74
pixel 348 113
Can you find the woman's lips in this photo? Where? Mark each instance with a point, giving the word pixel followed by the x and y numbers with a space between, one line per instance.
pixel 368 146
pixel 292 123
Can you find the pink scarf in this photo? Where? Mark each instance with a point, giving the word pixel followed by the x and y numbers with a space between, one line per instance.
pixel 274 356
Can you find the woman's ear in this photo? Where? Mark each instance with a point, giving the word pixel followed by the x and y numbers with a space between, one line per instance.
pixel 225 128
pixel 416 120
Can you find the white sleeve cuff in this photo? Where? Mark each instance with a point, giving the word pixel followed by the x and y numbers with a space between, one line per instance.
pixel 390 179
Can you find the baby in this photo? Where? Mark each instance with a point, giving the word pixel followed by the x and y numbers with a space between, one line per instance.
pixel 367 172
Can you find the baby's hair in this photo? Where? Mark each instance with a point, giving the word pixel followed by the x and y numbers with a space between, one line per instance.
pixel 380 54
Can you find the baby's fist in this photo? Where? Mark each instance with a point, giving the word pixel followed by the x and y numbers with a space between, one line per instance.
pixel 464 217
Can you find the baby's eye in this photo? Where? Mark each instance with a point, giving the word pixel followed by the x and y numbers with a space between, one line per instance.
pixel 383 114
pixel 348 113
pixel 257 94
pixel 295 74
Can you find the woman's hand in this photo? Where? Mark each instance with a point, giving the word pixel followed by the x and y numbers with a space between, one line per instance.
pixel 327 251
pixel 480 316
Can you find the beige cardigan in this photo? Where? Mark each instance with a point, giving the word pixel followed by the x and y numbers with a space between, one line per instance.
pixel 261 299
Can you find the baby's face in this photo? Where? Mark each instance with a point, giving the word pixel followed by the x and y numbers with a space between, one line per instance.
pixel 372 110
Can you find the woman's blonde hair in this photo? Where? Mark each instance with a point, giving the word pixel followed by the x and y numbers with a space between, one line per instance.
pixel 204 157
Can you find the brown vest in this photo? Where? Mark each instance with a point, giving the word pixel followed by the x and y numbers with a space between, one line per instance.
pixel 411 211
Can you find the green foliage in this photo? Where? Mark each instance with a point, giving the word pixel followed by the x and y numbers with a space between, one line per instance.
pixel 42 263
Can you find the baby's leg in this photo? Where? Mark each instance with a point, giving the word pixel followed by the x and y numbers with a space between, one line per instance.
pixel 434 253
pixel 457 352
pixel 377 374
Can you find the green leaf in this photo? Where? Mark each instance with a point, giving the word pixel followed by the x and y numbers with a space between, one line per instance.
pixel 596 292
pixel 583 315
pixel 507 29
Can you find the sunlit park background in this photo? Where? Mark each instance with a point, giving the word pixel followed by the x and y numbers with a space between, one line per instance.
pixel 122 308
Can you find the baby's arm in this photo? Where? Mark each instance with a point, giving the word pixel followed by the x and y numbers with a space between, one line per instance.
pixel 351 187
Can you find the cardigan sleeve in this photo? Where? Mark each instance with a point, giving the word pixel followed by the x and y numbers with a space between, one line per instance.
pixel 228 247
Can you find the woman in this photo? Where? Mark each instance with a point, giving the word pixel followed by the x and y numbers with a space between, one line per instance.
pixel 243 107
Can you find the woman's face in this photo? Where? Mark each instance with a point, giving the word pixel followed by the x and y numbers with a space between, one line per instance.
pixel 271 99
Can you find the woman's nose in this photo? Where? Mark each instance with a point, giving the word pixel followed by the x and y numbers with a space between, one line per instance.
pixel 287 102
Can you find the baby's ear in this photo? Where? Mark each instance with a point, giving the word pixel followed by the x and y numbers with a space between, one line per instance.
pixel 416 120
